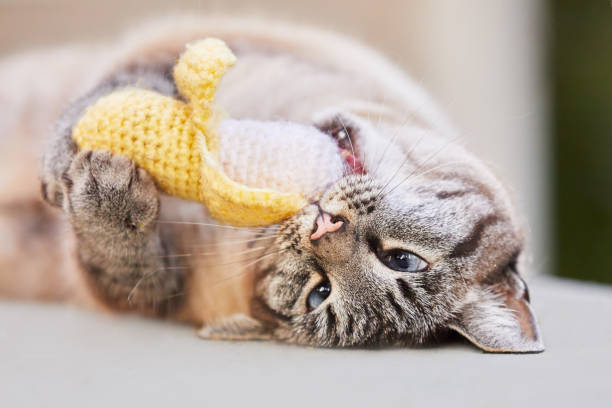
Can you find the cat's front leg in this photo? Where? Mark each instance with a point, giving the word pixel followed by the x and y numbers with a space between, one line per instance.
pixel 113 207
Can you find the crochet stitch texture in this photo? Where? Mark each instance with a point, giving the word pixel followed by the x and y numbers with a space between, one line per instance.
pixel 177 142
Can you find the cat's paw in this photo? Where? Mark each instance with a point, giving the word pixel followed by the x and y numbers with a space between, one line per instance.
pixel 111 191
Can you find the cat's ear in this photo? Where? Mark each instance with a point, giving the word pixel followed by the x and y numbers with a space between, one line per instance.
pixel 236 327
pixel 351 133
pixel 498 318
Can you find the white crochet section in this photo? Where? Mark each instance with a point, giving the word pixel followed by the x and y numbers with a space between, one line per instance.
pixel 283 156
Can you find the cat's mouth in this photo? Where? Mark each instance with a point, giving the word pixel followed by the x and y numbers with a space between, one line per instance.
pixel 352 160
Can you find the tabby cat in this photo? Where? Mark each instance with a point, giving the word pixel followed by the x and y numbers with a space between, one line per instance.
pixel 416 240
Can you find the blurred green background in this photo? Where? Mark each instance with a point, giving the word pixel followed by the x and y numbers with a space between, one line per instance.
pixel 581 70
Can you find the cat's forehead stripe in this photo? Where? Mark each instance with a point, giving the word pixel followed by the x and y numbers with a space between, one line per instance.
pixel 469 244
pixel 444 195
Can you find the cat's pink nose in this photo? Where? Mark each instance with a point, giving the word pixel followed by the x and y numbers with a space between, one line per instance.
pixel 324 225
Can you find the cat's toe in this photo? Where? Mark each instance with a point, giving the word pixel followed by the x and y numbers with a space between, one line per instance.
pixel 111 172
pixel 144 199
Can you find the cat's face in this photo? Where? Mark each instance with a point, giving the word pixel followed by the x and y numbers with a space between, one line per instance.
pixel 383 277
pixel 398 266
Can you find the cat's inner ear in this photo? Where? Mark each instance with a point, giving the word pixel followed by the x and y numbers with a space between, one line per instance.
pixel 497 316
pixel 236 327
pixel 348 131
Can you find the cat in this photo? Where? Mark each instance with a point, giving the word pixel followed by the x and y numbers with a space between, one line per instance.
pixel 417 241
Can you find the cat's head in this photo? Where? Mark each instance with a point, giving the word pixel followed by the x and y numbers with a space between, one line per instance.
pixel 398 255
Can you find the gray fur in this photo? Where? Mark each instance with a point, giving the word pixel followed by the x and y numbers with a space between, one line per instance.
pixel 453 221
pixel 113 207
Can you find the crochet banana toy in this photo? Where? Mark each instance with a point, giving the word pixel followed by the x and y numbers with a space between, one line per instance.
pixel 247 173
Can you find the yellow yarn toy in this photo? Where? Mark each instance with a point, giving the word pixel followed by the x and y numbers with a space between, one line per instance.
pixel 178 143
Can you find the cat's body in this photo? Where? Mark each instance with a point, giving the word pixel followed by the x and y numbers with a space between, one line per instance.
pixel 123 246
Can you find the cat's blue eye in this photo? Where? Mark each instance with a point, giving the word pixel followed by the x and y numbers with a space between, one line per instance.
pixel 403 261
pixel 318 295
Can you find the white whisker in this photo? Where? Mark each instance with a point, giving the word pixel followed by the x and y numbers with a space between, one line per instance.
pixel 243 241
pixel 347 135
pixel 145 276
pixel 203 224
pixel 246 251
pixel 407 154
pixel 248 265
pixel 175 256
pixel 391 141
pixel 421 165
pixel 412 175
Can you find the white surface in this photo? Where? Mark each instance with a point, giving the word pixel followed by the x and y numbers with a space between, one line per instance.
pixel 53 355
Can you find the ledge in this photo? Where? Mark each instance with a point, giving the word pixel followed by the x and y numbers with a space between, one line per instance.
pixel 57 355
